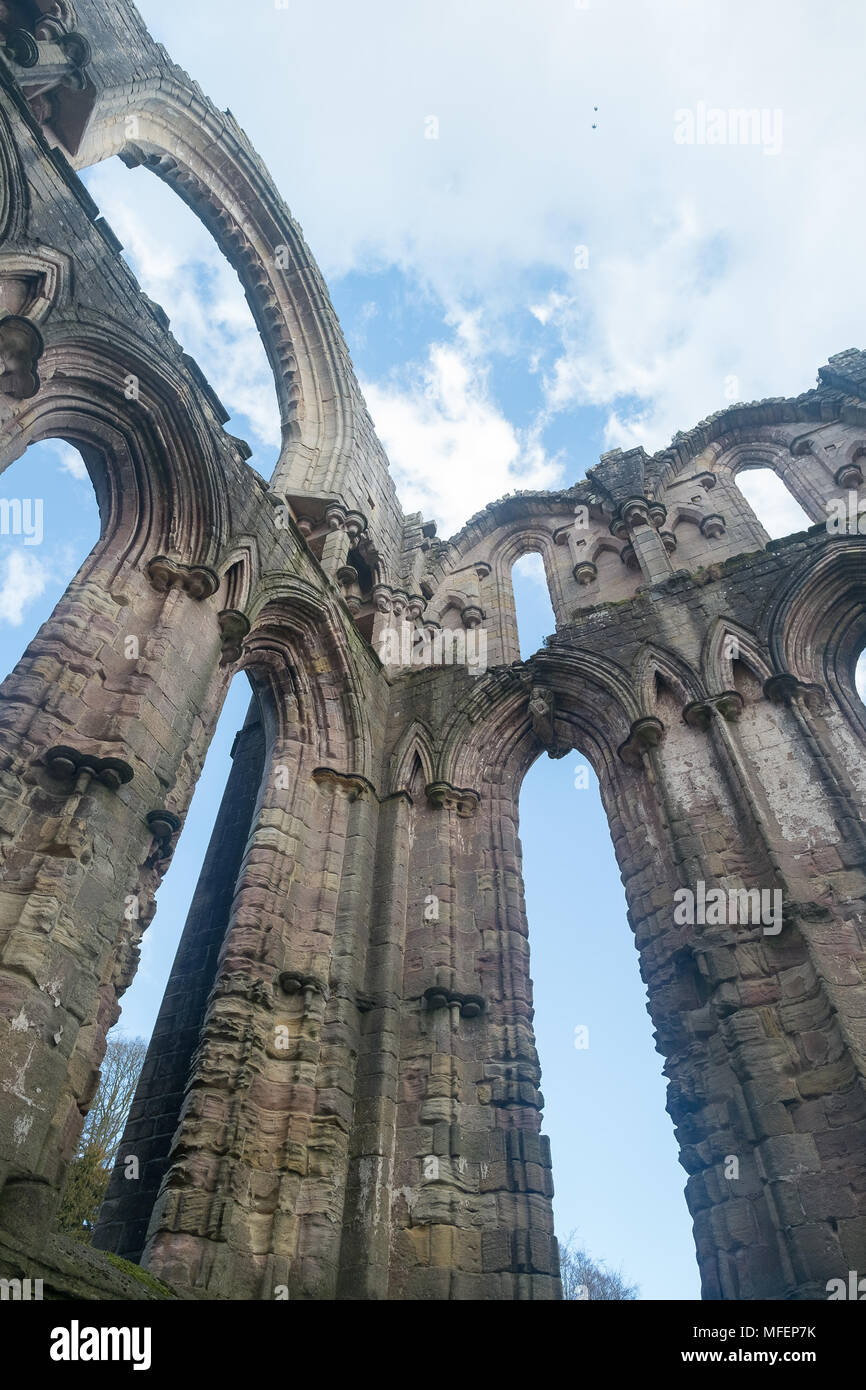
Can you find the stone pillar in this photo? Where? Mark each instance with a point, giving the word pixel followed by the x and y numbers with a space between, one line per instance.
pixel 639 522
pixel 105 723
pixel 155 1111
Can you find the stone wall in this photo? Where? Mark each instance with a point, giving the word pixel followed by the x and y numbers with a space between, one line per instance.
pixel 342 1096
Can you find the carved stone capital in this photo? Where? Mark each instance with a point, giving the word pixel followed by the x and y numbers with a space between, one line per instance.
pixel 712 525
pixel 294 982
pixel 460 799
pixel 382 598
pixel 472 616
pixel 699 714
pixel 65 764
pixel 351 785
pixel 785 689
pixel 437 997
pixel 199 581
pixel 850 475
pixel 645 734
pixel 585 573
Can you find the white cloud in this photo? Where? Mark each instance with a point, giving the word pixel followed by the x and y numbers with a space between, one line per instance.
pixel 778 512
pixel 179 265
pixel 70 460
pixel 23 579
pixel 707 264
pixel 451 448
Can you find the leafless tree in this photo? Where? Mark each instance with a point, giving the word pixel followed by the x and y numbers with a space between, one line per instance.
pixel 103 1129
pixel 586 1279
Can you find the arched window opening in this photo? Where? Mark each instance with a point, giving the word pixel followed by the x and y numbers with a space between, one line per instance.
pixel 179 265
pixel 595 1041
pixel 860 676
pixel 773 504
pixel 532 605
pixel 49 523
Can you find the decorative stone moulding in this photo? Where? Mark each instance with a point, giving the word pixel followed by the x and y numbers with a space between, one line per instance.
pixel 712 526
pixel 470 1005
pixel 707 481
pixel 585 573
pixel 21 346
pixel 850 475
pixel 199 581
pixel 628 556
pixel 783 688
pixel 234 627
pixel 482 569
pixel 645 734
pixel 472 616
pixel 460 799
pixel 66 764
pixel 699 713
pixel 669 541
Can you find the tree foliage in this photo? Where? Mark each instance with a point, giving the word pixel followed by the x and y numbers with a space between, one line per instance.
pixel 90 1170
pixel 586 1279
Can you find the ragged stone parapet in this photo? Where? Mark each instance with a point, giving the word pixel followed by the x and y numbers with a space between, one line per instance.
pixel 342 1096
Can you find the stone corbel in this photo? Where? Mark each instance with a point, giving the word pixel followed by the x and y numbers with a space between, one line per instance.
pixel 468 1005
pixel 349 784
pixel 712 526
pixel 585 572
pixel 699 714
pixel 785 689
pixel 635 512
pixel 460 799
pixel 849 476
pixel 163 825
pixel 21 346
pixel 472 616
pixel 234 627
pixel 294 982
pixel 542 712
pixel 77 768
pixel 347 578
pixel 199 581
pixel 644 735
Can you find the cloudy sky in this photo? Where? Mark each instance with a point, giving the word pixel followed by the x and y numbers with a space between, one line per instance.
pixel 537 252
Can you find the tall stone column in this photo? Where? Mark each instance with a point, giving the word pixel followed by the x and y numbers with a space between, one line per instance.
pixel 155 1111
pixel 106 720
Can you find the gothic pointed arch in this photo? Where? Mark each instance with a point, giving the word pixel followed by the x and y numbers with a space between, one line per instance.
pixel 726 642
pixel 415 748
pixel 654 665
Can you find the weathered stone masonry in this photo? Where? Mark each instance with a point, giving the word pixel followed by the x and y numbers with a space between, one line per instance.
pixel 341 1097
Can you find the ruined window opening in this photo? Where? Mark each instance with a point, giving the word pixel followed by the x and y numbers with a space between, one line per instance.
pixel 595 1040
pixel 860 676
pixel 180 266
pixel 772 502
pixel 533 610
pixel 49 525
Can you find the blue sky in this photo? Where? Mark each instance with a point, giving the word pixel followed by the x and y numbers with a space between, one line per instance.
pixel 495 355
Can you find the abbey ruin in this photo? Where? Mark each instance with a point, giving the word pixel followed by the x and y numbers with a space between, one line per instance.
pixel 341 1097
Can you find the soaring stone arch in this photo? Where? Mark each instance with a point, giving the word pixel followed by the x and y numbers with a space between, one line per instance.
pixel 167 125
pixel 343 1095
